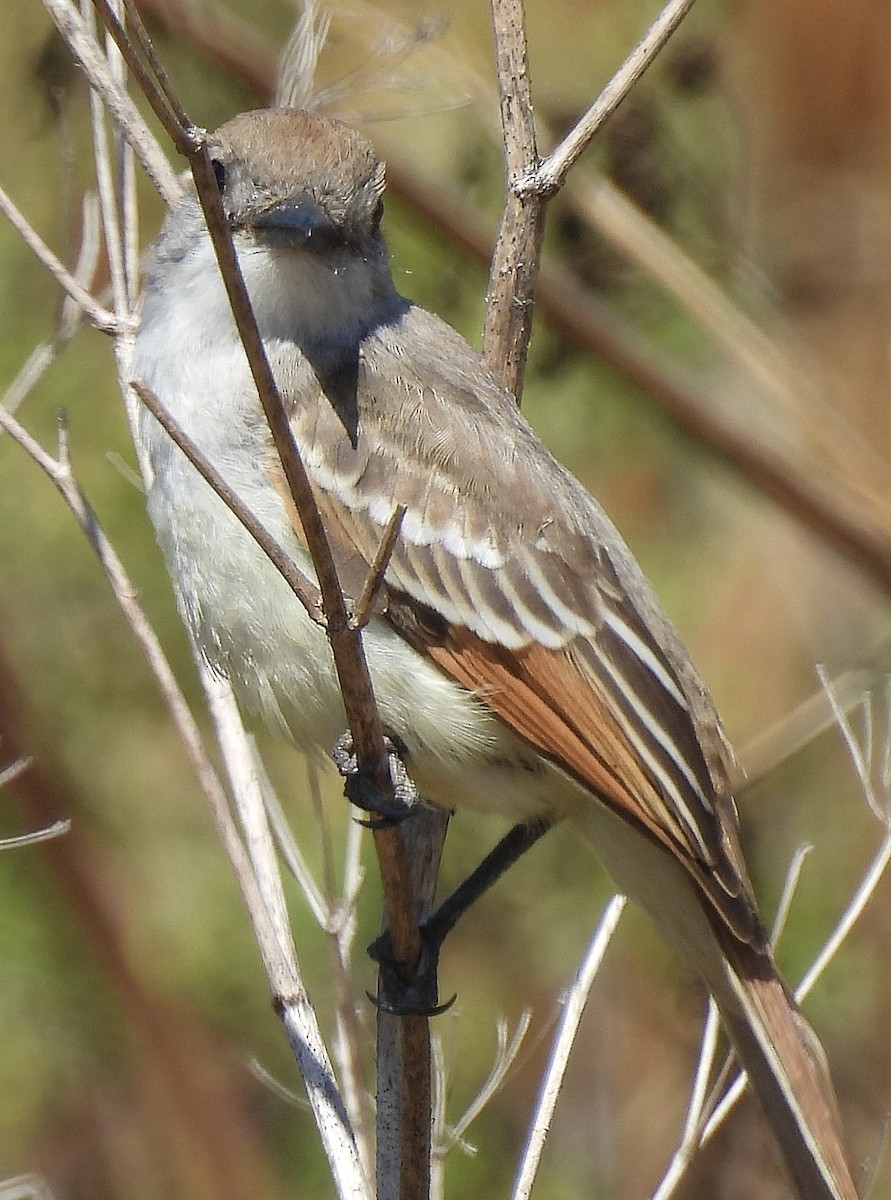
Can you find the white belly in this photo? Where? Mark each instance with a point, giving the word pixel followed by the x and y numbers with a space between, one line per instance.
pixel 252 629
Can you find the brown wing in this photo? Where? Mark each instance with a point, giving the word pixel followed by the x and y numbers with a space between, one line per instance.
pixel 537 606
pixel 555 702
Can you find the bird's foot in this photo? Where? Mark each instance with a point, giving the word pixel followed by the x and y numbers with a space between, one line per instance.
pixel 362 791
pixel 418 994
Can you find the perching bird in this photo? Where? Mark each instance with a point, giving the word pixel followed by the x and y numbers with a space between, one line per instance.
pixel 519 657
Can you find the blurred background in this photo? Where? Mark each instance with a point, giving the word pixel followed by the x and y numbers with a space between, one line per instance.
pixel 711 358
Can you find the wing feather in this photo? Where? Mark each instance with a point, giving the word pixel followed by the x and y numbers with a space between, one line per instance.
pixel 508 575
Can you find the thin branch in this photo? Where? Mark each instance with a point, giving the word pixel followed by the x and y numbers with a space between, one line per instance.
pixel 157 70
pixel 564 1038
pixel 84 271
pixel 551 174
pixel 364 606
pixel 696 1109
pixel 291 1000
pixel 337 918
pixel 708 1048
pixel 302 587
pixel 293 857
pixel 120 107
pixel 790 887
pixel 105 183
pixel 71 313
pixel 514 269
pixel 100 317
pixel 789 734
pixel 168 111
pixel 26 1187
pixel 861 758
pixel 250 805
pixel 852 913
pixel 129 249
pixel 13 771
pixel 57 829
pixel 28 376
pixel 506 1056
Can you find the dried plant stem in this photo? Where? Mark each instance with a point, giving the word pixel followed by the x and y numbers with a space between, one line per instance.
pixel 692 1135
pixel 375 580
pixel 514 267
pixel 291 1000
pixel 506 1056
pixel 564 1038
pixel 98 316
pixel 302 587
pixel 551 173
pixel 120 107
pixel 26 1187
pixel 57 829
pixel 338 918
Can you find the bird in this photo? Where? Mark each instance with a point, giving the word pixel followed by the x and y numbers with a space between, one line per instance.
pixel 520 659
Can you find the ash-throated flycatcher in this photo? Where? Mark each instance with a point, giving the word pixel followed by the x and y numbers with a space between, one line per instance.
pixel 519 656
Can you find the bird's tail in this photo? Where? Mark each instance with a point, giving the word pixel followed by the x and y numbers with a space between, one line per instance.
pixel 785 1066
pixel 774 1044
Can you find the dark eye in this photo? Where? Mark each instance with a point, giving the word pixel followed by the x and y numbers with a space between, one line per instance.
pixel 377 214
pixel 219 172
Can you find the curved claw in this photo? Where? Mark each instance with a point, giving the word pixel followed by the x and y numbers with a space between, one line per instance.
pixel 386 820
pixel 408 1010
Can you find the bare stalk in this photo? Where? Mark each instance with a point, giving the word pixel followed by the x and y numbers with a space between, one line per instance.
pixel 514 267
pixel 98 316
pixel 57 829
pixel 552 172
pixel 120 107
pixel 564 1038
pixel 302 587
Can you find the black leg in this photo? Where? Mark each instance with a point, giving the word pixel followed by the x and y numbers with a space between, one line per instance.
pixel 420 995
pixel 509 850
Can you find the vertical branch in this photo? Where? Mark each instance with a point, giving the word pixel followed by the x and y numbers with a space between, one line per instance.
pixel 404 1057
pixel 509 303
pixel 121 108
pixel 531 182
